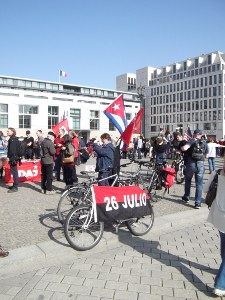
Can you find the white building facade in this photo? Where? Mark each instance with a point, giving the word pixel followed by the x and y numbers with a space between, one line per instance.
pixel 189 92
pixel 34 104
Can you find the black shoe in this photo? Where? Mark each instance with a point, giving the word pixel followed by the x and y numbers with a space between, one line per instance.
pixel 13 190
pixel 197 206
pixel 185 199
pixel 10 187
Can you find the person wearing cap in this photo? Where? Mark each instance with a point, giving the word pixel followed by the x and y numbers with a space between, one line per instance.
pixel 194 166
pixel 47 163
pixel 29 140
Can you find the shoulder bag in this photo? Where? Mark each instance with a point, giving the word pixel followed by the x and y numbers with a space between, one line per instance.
pixel 211 194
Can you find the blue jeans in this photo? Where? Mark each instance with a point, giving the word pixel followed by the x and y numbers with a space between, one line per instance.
pixel 220 277
pixel 194 168
pixel 160 157
pixel 212 166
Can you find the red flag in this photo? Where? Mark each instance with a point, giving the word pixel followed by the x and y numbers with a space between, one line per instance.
pixel 63 123
pixel 133 127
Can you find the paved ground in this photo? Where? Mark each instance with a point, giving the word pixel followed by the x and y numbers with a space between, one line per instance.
pixel 177 259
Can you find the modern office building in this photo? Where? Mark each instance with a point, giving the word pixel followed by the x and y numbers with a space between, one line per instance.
pixel 35 104
pixel 189 92
pixel 126 82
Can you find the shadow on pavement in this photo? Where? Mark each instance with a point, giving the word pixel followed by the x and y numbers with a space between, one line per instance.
pixel 183 265
pixel 52 218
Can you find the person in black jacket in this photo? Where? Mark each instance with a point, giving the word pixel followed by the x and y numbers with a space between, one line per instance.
pixel 13 158
pixel 47 162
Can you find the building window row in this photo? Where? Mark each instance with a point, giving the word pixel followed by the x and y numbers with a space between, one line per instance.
pixel 159 79
pixel 187 117
pixel 186 85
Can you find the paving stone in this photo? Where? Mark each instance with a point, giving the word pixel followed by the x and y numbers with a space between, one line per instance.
pixel 41 285
pixel 73 280
pixel 124 295
pixel 129 278
pixel 88 274
pixel 94 282
pixel 39 294
pixel 64 296
pixel 99 292
pixel 6 297
pixel 52 278
pixel 79 290
pixel 143 296
pixel 104 269
pixel 113 263
pixel 189 294
pixel 115 285
pixel 151 280
pixel 139 288
pixel 58 287
pixel 14 290
pixel 109 276
pixel 173 283
pixel 68 272
pixel 163 291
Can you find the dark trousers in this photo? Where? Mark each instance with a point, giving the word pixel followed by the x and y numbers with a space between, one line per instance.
pixel 69 173
pixel 14 172
pixel 58 165
pixel 46 177
pixel 102 176
pixel 29 153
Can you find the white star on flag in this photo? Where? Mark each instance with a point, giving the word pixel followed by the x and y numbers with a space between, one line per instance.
pixel 116 106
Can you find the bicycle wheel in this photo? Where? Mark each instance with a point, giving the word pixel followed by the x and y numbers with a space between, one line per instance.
pixel 81 232
pixel 68 200
pixel 141 226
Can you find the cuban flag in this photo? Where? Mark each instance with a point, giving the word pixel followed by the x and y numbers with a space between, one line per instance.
pixel 62 73
pixel 116 113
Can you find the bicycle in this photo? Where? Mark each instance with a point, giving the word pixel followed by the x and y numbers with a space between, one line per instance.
pixel 83 232
pixel 78 194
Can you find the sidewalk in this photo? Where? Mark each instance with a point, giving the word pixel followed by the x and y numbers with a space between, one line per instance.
pixel 177 259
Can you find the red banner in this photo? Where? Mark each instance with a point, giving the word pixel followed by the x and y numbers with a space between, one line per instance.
pixel 28 171
pixel 120 203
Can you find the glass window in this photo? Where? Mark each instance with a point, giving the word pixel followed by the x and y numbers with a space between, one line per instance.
pixel 28 84
pixel 41 85
pixel 24 121
pixel 75 116
pixel 53 116
pixel 3 108
pixel 28 109
pixel 3 115
pixel 94 119
pixel 111 126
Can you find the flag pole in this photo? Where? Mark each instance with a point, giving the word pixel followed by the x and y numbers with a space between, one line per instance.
pixel 59 76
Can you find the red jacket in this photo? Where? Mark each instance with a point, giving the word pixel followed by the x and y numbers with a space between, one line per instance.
pixel 75 142
pixel 58 140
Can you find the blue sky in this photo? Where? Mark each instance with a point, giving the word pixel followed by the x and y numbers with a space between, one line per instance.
pixel 96 40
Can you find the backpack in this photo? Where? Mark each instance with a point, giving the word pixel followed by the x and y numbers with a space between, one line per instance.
pixel 84 155
pixel 198 150
pixel 21 148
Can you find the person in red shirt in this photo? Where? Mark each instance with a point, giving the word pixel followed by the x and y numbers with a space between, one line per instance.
pixel 58 142
pixel 75 142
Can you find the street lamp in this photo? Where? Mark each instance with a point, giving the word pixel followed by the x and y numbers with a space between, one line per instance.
pixel 141 96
